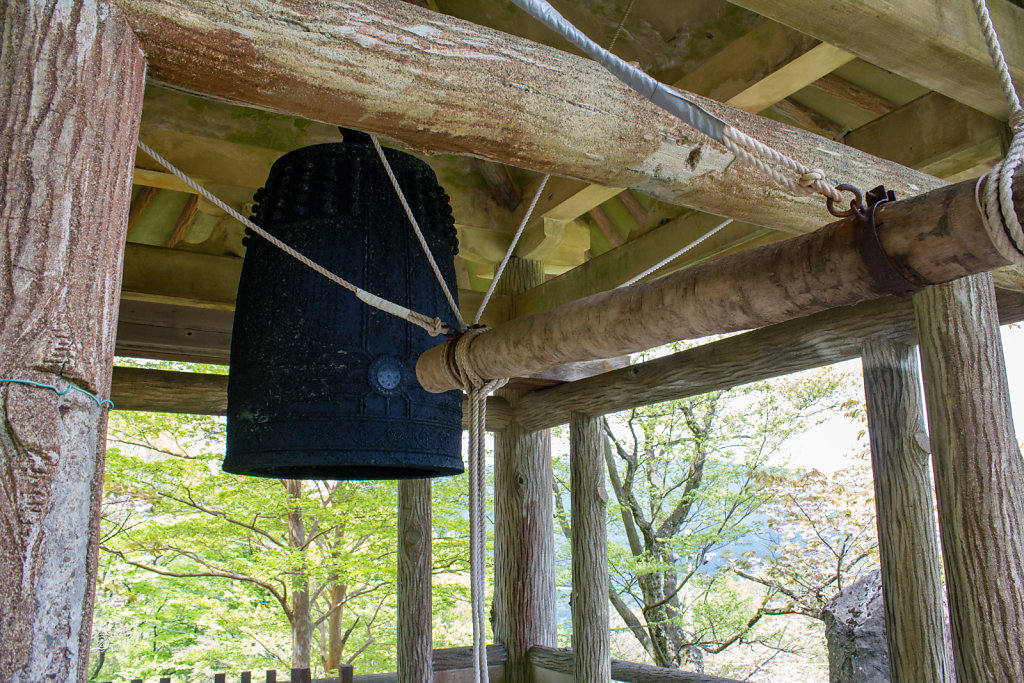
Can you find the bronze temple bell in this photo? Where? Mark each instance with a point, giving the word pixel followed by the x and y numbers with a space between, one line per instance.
pixel 323 386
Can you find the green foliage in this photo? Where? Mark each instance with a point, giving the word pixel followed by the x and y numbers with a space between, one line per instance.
pixel 690 482
pixel 200 569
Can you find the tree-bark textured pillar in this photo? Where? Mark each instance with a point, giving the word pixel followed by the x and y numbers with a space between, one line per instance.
pixel 591 629
pixel 415 647
pixel 71 80
pixel 979 477
pixel 915 623
pixel 524 523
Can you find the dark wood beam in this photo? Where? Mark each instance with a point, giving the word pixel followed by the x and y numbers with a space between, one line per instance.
pixel 811 342
pixel 936 43
pixel 165 391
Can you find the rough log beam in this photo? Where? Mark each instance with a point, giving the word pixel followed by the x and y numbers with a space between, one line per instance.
pixel 979 477
pixel 936 237
pixel 936 43
pixel 71 86
pixel 820 339
pixel 440 84
pixel 908 544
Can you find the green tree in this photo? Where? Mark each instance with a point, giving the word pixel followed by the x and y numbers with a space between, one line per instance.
pixel 320 553
pixel 690 480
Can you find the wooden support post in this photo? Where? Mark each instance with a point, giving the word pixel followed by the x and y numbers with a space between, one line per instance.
pixel 907 538
pixel 524 531
pixel 71 83
pixel 934 237
pixel 979 477
pixel 591 629
pixel 414 576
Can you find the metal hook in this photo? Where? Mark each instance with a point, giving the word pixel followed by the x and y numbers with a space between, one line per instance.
pixel 856 204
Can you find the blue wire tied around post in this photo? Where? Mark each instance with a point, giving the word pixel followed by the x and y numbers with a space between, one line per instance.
pixel 96 399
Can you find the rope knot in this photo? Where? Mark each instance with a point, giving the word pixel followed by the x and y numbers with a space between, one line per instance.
pixel 812 178
pixel 436 327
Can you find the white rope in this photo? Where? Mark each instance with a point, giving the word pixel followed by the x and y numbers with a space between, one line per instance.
pixel 432 325
pixel 757 154
pixel 419 234
pixel 477 390
pixel 508 252
pixel 997 208
pixel 622 22
pixel 673 257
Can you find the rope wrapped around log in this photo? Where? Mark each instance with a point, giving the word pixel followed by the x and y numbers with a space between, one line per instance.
pixel 932 238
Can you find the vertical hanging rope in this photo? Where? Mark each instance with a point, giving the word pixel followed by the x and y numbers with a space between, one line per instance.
pixel 997 207
pixel 477 390
pixel 419 233
pixel 508 252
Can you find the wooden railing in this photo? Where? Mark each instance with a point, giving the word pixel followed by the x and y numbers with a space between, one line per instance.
pixel 451 665
pixel 554 665
pixel 345 675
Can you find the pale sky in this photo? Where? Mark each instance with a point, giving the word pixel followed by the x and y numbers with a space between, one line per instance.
pixel 825 447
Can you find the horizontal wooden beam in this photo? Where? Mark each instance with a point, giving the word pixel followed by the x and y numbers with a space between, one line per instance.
pixel 748 60
pixel 164 331
pixel 450 665
pixel 934 134
pixel 555 665
pixel 934 238
pixel 817 62
pixel 165 391
pixel 184 278
pixel 936 43
pixel 611 269
pixel 392 68
pixel 814 341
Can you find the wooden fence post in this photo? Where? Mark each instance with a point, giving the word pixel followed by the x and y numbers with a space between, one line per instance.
pixel 524 523
pixel 979 476
pixel 915 621
pixel 591 629
pixel 72 83
pixel 415 648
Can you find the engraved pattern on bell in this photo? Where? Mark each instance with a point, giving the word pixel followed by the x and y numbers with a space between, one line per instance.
pixel 321 385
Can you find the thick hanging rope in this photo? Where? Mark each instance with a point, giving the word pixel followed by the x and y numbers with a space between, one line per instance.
pixel 419 233
pixel 996 204
pixel 807 181
pixel 477 389
pixel 433 326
